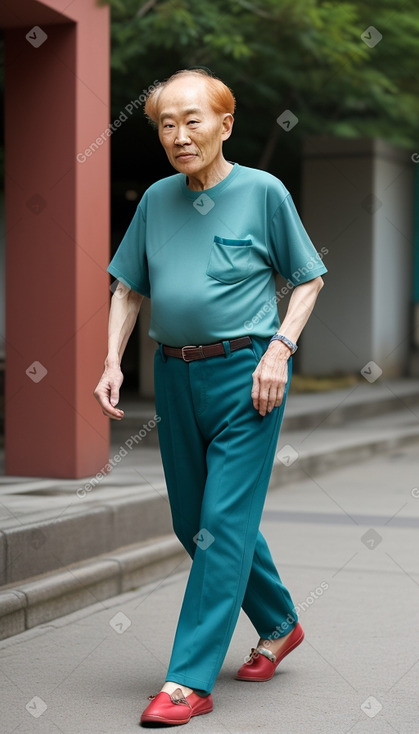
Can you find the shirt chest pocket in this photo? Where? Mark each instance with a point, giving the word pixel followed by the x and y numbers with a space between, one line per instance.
pixel 230 260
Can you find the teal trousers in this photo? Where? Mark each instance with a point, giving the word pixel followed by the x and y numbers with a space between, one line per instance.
pixel 217 453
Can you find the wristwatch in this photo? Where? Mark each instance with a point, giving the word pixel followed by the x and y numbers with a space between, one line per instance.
pixel 281 338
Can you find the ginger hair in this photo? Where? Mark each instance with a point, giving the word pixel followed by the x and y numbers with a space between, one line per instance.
pixel 221 97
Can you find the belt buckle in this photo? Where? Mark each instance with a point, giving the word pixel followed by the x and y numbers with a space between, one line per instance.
pixel 184 353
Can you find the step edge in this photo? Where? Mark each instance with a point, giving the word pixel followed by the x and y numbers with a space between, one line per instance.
pixel 18 600
pixel 313 461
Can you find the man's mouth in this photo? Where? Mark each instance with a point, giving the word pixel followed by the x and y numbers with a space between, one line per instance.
pixel 184 156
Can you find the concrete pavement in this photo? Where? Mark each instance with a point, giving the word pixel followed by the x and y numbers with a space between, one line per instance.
pixel 345 542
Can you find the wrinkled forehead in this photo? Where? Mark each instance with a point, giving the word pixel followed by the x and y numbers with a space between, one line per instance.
pixel 182 96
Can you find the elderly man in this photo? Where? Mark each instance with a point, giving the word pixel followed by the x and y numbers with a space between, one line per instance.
pixel 204 245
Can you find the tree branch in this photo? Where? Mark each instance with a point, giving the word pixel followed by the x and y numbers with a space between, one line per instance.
pixel 145 8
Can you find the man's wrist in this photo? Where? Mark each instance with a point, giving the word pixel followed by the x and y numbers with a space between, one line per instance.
pixel 280 350
pixel 112 363
pixel 290 345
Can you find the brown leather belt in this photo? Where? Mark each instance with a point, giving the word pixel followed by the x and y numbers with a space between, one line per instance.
pixel 191 352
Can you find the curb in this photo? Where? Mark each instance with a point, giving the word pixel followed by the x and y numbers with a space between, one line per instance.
pixel 319 461
pixel 357 409
pixel 47 544
pixel 53 595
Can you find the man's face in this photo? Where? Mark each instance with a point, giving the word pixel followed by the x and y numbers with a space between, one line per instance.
pixel 189 130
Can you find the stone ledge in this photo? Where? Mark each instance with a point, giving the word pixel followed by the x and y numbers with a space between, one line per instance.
pixel 38 600
pixel 49 544
pixel 318 461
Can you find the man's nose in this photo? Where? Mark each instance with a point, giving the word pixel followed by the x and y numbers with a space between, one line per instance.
pixel 182 137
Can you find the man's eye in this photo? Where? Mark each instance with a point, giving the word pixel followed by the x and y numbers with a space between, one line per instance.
pixel 168 124
pixel 193 122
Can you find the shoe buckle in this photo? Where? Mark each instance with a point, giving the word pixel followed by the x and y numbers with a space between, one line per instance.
pixel 178 697
pixel 267 653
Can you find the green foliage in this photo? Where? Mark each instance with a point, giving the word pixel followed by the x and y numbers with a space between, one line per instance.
pixel 305 55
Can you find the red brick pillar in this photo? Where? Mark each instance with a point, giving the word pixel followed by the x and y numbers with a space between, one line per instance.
pixel 57 242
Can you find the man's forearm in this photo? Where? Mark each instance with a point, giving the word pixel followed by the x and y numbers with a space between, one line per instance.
pixel 125 306
pixel 301 304
pixel 298 312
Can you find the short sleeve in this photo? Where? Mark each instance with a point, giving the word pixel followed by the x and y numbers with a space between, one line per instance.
pixel 129 264
pixel 292 252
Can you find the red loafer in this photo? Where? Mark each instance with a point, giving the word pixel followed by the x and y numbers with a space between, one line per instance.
pixel 263 663
pixel 174 708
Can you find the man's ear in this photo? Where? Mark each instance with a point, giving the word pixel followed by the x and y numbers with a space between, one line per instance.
pixel 228 121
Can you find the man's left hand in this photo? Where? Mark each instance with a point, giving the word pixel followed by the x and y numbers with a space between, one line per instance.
pixel 270 378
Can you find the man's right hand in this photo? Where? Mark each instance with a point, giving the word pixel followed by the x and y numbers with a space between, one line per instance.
pixel 107 392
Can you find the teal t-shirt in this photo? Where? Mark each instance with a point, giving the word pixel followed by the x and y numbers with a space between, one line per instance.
pixel 207 260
